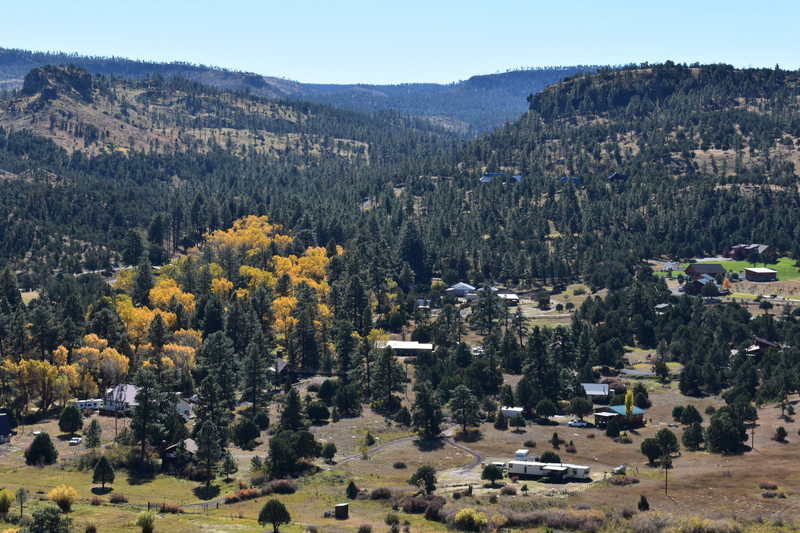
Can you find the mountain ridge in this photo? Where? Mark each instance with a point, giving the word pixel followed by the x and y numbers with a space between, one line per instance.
pixel 469 107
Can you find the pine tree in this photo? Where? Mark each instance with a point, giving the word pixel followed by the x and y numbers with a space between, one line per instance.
pixel 388 377
pixel 208 452
pixel 103 472
pixel 228 466
pixel 148 414
pixel 292 417
pixel 93 434
pixel 142 283
pixel 218 357
pixel 255 375
pixel 211 406
pixel 464 407
pixel 158 334
pixel 426 413
pixel 71 419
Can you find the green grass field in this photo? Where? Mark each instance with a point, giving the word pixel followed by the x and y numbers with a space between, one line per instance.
pixel 785 266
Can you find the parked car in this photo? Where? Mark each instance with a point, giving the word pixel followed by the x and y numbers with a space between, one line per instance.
pixel 74 441
pixel 578 424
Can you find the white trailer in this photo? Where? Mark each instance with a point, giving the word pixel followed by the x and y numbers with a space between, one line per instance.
pixel 551 470
pixel 509 411
pixel 94 404
pixel 521 454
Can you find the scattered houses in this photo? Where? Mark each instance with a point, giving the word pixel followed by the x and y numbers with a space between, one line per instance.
pixel 741 252
pixel 760 274
pixel 5 428
pixel 603 414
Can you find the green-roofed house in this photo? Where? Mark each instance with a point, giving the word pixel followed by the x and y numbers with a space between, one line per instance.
pixel 603 414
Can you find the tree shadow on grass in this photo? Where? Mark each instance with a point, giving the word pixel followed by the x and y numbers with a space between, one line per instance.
pixel 206 493
pixel 100 491
pixel 136 478
pixel 429 445
pixel 471 435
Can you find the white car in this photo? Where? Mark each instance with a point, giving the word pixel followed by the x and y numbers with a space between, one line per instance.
pixel 74 441
pixel 578 424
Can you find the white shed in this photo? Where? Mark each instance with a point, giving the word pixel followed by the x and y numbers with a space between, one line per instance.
pixel 510 411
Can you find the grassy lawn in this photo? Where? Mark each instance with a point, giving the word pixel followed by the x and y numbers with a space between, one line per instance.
pixel 784 266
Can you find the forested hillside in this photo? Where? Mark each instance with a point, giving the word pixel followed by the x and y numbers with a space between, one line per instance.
pixel 469 107
pixel 708 156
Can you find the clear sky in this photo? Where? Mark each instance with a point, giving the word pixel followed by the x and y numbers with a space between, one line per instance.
pixel 384 41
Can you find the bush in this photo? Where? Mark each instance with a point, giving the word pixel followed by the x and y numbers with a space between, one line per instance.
pixel 643 504
pixel 41 451
pixel 767 485
pixel 147 521
pixel 530 444
pixel 420 504
pixel 571 449
pixel 118 497
pixel 96 500
pixel 612 428
pixel 493 498
pixel 245 433
pixel 282 486
pixel 566 519
pixel 392 519
pixel 6 499
pixel 261 420
pixel 469 519
pixel 381 493
pixel 509 490
pixel 351 491
pixel 170 508
pixel 550 457
pixel 71 419
pixel 500 421
pixel 244 495
pixel 399 465
pixel 90 528
pixel 365 528
pixel 433 512
pixel 780 434
pixel 623 480
pixel 403 417
pixel 63 496
pixel 317 411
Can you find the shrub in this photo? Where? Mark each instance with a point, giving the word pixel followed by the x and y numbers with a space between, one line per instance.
pixel 509 490
pixel 769 494
pixel 643 504
pixel 282 486
pixel 245 433
pixel 244 495
pixel 780 434
pixel 550 457
pixel 317 411
pixel 96 500
pixel 627 513
pixel 612 428
pixel 261 420
pixel 403 416
pixel 351 491
pixel 118 497
pixel 399 465
pixel 365 528
pixel 493 498
pixel 530 443
pixel 147 521
pixel 590 436
pixel 500 421
pixel 469 519
pixel 433 512
pixel 623 480
pixel 651 522
pixel 170 508
pixel 63 496
pixel 41 451
pixel 568 519
pixel 6 499
pixel 90 528
pixel 381 493
pixel 571 449
pixel 767 485
pixel 392 519
pixel 369 440
pixel 420 504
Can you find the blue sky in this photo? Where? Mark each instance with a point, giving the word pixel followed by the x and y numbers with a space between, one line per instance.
pixel 382 41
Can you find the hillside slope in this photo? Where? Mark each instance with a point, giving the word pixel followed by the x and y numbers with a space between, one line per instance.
pixel 96 114
pixel 469 107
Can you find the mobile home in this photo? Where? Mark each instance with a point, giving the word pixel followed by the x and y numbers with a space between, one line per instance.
pixel 93 404
pixel 550 470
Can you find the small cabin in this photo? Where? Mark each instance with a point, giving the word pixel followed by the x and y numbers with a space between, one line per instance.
pixel 409 348
pixel 760 274
pixel 510 299
pixel 508 412
pixel 602 415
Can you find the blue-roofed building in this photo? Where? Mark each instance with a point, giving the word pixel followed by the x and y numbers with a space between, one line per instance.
pixel 567 179
pixel 603 414
pixel 516 179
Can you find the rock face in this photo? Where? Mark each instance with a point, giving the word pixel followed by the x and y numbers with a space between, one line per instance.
pixel 49 82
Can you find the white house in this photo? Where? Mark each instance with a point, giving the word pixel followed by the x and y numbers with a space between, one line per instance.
pixel 596 391
pixel 550 470
pixel 407 348
pixel 510 299
pixel 508 411
pixel 120 399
